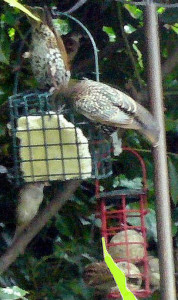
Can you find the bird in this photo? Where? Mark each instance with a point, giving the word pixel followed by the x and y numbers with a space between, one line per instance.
pixel 98 275
pixel 110 108
pixel 29 199
pixel 47 54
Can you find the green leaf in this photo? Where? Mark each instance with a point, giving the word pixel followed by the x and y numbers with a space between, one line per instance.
pixel 135 183
pixel 135 12
pixel 173 177
pixel 3 58
pixel 150 220
pixel 110 32
pixel 175 28
pixel 122 181
pixel 129 29
pixel 11 293
pixel 16 4
pixel 139 54
pixel 62 26
pixel 161 10
pixel 11 33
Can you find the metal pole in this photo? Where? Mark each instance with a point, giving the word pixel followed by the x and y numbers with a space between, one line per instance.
pixel 165 247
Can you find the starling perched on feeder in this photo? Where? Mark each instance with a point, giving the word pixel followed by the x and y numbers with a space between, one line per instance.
pixel 108 106
pixel 47 54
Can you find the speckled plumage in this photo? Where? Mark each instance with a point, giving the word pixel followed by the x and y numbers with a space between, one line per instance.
pixel 98 275
pixel 109 106
pixel 47 53
pixel 48 65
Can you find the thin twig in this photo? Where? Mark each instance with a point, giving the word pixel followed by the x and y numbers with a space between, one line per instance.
pixel 37 224
pixel 129 51
pixel 76 6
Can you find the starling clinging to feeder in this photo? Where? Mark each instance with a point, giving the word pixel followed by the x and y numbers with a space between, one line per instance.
pixel 47 54
pixel 109 106
pixel 98 275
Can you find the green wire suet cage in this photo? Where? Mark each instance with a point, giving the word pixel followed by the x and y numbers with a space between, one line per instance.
pixel 51 146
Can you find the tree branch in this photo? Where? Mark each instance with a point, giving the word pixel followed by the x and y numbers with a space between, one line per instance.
pixel 76 6
pixel 37 224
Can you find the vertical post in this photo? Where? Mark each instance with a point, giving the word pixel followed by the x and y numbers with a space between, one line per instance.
pixel 165 247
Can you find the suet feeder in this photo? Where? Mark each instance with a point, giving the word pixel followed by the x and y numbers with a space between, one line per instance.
pixel 51 146
pixel 125 241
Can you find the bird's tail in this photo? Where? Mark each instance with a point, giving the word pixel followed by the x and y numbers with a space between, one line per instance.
pixel 147 125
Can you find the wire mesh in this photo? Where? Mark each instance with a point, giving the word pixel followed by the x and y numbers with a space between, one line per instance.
pixel 51 146
pixel 125 233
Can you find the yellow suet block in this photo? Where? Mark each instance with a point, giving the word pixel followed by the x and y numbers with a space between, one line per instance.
pixel 51 148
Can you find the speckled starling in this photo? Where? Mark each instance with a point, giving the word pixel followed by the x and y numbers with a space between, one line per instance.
pixel 47 54
pixel 109 106
pixel 98 275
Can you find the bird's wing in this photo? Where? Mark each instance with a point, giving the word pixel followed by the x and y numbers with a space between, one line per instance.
pixel 122 101
pixel 106 104
pixel 118 108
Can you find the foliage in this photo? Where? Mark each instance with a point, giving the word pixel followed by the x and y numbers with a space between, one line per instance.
pixel 17 5
pixel 12 293
pixel 52 266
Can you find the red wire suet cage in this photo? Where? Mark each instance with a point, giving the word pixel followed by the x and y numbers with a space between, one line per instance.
pixel 117 219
